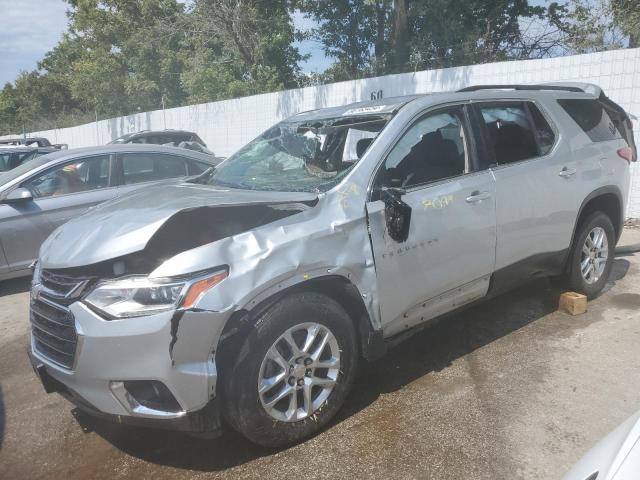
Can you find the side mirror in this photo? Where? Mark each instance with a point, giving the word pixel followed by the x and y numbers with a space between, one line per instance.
pixel 397 213
pixel 18 195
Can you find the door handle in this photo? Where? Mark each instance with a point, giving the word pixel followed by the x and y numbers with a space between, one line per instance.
pixel 567 172
pixel 477 196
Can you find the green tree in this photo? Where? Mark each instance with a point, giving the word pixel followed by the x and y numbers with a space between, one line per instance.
pixel 354 32
pixel 113 59
pixel 475 31
pixel 626 14
pixel 34 100
pixel 237 47
pixel 387 36
pixel 591 25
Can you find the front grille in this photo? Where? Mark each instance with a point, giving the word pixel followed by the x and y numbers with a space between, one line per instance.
pixel 62 287
pixel 53 331
pixel 52 323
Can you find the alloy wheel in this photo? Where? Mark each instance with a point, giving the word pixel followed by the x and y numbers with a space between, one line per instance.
pixel 595 253
pixel 299 372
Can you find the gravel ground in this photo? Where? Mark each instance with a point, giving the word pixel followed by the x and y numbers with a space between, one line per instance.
pixel 508 389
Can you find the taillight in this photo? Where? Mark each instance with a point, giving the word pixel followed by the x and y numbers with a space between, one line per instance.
pixel 626 153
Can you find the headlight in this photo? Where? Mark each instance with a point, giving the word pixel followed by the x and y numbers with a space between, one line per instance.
pixel 138 296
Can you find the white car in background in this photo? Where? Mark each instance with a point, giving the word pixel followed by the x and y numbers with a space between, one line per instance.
pixel 616 457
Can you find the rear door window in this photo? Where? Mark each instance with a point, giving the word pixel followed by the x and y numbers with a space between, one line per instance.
pixel 195 168
pixel 9 161
pixel 592 118
pixel 509 132
pixel 148 167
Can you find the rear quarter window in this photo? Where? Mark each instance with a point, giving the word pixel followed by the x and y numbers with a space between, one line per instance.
pixel 592 118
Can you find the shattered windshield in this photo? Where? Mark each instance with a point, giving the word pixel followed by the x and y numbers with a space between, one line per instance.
pixel 307 156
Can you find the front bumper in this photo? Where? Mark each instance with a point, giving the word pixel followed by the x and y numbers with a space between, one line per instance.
pixel 204 422
pixel 174 348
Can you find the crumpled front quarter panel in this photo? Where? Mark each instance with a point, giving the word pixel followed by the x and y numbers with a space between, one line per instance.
pixel 328 239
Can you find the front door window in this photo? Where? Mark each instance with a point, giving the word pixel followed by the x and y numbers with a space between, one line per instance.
pixel 78 176
pixel 433 149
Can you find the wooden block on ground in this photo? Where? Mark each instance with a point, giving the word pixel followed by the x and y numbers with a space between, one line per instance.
pixel 573 303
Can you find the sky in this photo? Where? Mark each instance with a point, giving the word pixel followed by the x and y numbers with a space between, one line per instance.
pixel 317 61
pixel 30 28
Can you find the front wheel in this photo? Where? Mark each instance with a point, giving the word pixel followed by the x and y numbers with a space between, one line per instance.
pixel 293 372
pixel 592 255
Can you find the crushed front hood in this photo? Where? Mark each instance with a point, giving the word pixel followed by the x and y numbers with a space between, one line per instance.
pixel 125 225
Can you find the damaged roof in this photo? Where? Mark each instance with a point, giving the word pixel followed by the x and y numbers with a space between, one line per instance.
pixel 369 107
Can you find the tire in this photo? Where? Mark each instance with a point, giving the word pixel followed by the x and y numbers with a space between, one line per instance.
pixel 591 284
pixel 247 410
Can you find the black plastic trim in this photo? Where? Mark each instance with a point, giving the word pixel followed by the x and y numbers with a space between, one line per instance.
pixel 523 271
pixel 609 189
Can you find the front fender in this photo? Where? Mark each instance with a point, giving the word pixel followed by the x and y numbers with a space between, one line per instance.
pixel 297 279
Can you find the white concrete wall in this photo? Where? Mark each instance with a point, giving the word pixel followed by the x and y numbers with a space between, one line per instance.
pixel 227 125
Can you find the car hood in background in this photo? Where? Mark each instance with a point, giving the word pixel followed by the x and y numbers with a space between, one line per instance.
pixel 125 225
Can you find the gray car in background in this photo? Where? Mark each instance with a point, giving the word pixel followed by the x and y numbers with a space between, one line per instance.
pixel 27 141
pixel 13 156
pixel 40 195
pixel 169 137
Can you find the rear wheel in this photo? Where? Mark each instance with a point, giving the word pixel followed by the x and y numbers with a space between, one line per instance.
pixel 293 372
pixel 592 255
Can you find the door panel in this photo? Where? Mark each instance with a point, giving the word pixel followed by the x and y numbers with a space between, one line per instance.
pixel 448 256
pixel 23 228
pixel 536 211
pixel 4 266
pixel 60 194
pixel 536 188
pixel 59 210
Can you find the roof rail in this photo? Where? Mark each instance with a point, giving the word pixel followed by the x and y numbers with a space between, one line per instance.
pixel 567 88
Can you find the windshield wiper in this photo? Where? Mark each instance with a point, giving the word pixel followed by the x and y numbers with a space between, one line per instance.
pixel 203 177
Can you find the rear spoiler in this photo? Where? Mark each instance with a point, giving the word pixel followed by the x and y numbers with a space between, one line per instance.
pixel 623 117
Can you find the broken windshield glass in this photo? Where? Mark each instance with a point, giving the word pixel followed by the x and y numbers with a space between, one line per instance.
pixel 309 156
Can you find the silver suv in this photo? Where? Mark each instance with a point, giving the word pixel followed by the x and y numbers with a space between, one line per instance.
pixel 249 294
